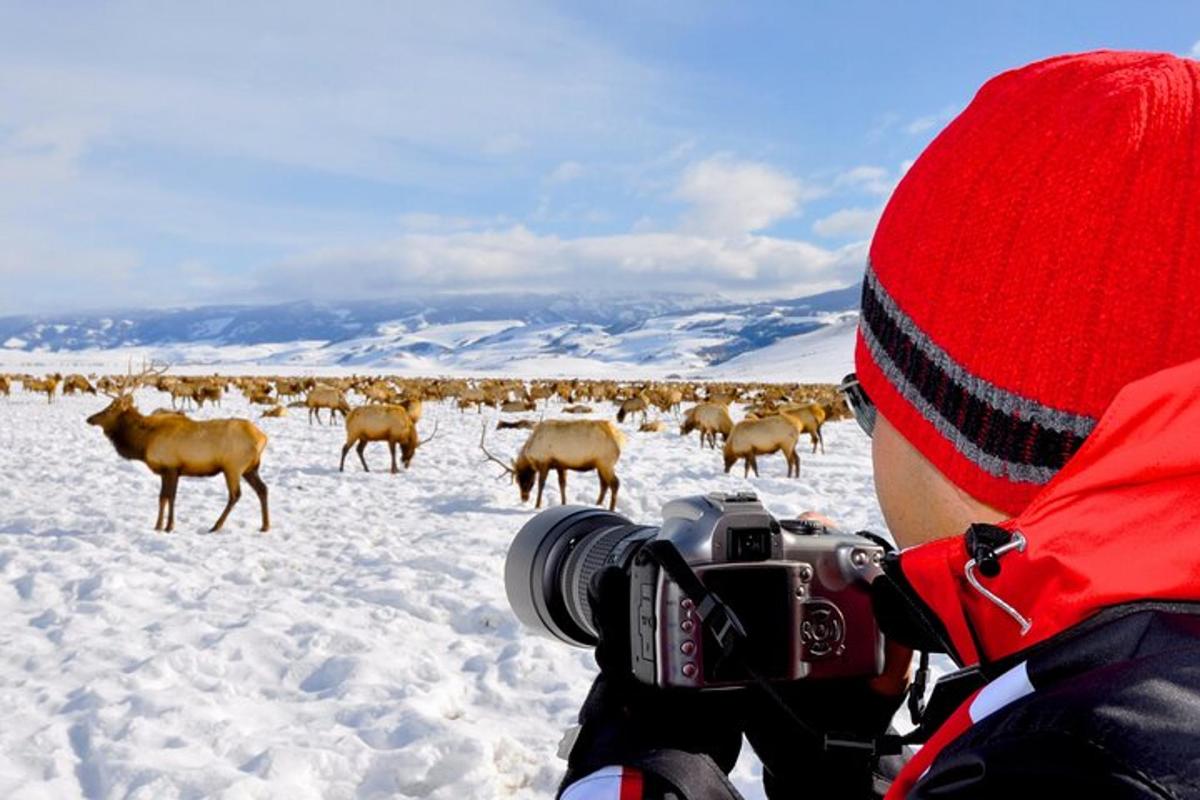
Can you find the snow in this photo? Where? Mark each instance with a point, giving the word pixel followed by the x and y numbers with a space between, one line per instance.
pixel 362 648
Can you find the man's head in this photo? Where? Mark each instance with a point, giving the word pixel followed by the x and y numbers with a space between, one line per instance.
pixel 1043 252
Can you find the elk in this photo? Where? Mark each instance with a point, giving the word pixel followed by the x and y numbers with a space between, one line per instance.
pixel 522 424
pixel 326 397
pixel 634 405
pixel 657 426
pixel 751 438
pixel 77 383
pixel 577 409
pixel 579 445
pixel 5 386
pixel 275 411
pixel 809 418
pixel 517 406
pixel 173 446
pixel 710 419
pixel 382 423
pixel 47 386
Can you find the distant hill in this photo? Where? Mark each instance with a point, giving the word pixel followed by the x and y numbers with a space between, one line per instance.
pixel 524 334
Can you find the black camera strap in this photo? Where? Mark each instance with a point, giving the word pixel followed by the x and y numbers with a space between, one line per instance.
pixel 721 621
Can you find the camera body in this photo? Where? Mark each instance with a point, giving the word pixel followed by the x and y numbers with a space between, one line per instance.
pixel 798 588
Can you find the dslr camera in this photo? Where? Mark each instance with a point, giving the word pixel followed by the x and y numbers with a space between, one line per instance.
pixel 798 591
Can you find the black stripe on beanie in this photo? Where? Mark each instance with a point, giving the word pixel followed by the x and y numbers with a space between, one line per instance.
pixel 1005 434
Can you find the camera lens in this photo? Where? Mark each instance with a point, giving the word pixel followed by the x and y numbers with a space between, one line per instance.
pixel 552 560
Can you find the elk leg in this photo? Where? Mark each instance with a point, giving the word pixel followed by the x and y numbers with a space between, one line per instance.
pixel 821 439
pixel 746 471
pixel 614 483
pixel 542 474
pixel 172 480
pixel 162 503
pixel 233 483
pixel 392 449
pixel 562 485
pixel 345 450
pixel 256 483
pixel 362 445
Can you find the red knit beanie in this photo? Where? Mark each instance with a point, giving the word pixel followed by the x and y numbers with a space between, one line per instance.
pixel 1041 253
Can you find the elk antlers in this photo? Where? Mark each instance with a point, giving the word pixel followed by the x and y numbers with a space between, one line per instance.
pixel 508 470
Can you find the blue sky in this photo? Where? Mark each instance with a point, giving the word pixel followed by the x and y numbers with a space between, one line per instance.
pixel 156 154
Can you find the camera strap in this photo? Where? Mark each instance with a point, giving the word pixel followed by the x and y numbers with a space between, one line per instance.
pixel 721 621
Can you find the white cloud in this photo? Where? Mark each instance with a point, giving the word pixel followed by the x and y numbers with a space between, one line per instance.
pixel 870 179
pixel 1195 51
pixel 517 258
pixel 928 122
pixel 848 223
pixel 728 196
pixel 566 172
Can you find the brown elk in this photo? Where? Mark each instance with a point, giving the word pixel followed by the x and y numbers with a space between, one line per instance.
pixel 655 426
pixel 275 411
pixel 577 409
pixel 383 423
pixel 517 406
pixel 580 445
pixel 326 397
pixel 47 386
pixel 77 383
pixel 173 446
pixel 5 385
pixel 710 419
pixel 809 418
pixel 751 438
pixel 632 406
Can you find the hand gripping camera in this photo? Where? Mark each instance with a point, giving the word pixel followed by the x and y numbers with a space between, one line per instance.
pixel 796 592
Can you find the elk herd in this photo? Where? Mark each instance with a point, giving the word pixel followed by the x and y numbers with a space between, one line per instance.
pixel 388 409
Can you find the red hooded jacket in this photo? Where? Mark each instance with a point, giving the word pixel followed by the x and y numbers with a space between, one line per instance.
pixel 1120 523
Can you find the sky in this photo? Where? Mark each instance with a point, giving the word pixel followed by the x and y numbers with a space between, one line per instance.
pixel 171 153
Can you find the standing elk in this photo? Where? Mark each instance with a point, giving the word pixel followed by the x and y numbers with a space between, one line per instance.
pixel 751 438
pixel 173 446
pixel 326 397
pixel 382 423
pixel 47 386
pixel 810 418
pixel 580 445
pixel 632 406
pixel 710 419
pixel 5 385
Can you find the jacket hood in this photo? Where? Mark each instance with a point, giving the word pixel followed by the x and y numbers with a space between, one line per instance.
pixel 1119 523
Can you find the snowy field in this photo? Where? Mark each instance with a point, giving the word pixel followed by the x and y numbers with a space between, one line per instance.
pixel 363 648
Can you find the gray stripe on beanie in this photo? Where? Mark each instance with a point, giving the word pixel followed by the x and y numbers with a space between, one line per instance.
pixel 1002 400
pixel 993 465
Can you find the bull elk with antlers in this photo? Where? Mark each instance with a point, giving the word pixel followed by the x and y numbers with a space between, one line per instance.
pixel 580 445
pixel 383 423
pixel 174 446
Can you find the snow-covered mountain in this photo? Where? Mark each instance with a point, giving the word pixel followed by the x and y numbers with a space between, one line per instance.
pixel 529 334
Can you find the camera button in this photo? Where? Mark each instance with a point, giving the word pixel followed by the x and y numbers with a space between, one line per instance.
pixel 689 670
pixel 687 625
pixel 687 604
pixel 688 647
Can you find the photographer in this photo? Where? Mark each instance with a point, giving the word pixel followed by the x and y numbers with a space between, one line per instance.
pixel 1028 367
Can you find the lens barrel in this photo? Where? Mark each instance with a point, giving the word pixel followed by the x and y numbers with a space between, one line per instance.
pixel 551 562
